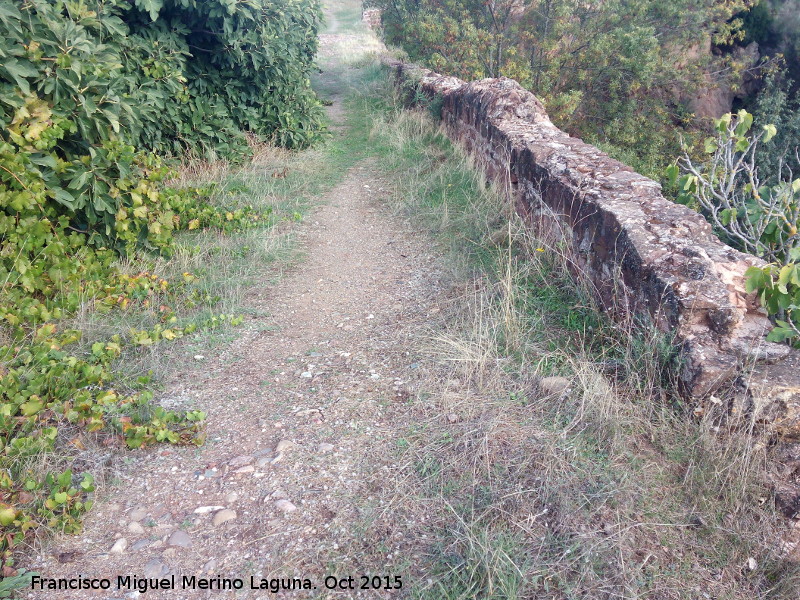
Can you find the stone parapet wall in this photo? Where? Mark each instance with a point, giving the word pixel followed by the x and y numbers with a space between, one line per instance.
pixel 642 253
pixel 371 17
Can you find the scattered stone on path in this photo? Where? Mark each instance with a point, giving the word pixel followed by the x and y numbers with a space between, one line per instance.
pixel 231 497
pixel 210 566
pixel 278 494
pixel 119 546
pixel 139 545
pixel 223 516
pixel 136 528
pixel 240 461
pixel 283 446
pixel 284 505
pixel 137 514
pixel 155 569
pixel 554 385
pixel 67 557
pixel 262 452
pixel 180 539
pixel 247 469
pixel 325 447
pixel 263 461
pixel 204 510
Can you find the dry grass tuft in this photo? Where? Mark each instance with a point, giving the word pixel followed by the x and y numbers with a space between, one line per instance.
pixel 610 488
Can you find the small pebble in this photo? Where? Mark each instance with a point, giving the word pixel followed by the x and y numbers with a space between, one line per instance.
pixel 139 545
pixel 204 510
pixel 284 505
pixel 240 461
pixel 137 514
pixel 223 516
pixel 284 445
pixel 135 528
pixel 180 539
pixel 155 569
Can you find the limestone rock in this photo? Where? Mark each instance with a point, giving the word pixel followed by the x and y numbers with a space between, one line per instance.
pixel 223 516
pixel 638 251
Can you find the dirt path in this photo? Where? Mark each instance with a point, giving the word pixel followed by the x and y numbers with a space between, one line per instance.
pixel 300 432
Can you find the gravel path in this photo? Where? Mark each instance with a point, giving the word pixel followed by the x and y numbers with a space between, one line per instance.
pixel 304 413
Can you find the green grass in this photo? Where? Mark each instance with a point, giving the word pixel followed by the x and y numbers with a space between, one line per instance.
pixel 614 489
pixel 348 18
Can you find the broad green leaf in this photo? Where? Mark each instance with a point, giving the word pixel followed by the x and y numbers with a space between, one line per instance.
pixel 672 172
pixel 152 7
pixel 744 120
pixel 728 215
pixel 7 515
pixel 19 70
pixel 754 279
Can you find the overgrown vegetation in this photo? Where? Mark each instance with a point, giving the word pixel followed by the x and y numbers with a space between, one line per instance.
pixel 601 484
pixel 617 74
pixel 93 95
pixel 622 75
pixel 778 104
pixel 759 219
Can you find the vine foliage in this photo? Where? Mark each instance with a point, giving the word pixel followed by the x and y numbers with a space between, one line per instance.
pixel 95 96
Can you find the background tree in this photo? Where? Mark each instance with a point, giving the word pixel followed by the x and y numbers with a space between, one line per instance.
pixel 611 72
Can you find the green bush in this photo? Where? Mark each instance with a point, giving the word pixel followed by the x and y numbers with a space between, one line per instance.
pixel 779 103
pixel 761 219
pixel 94 94
pixel 164 75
